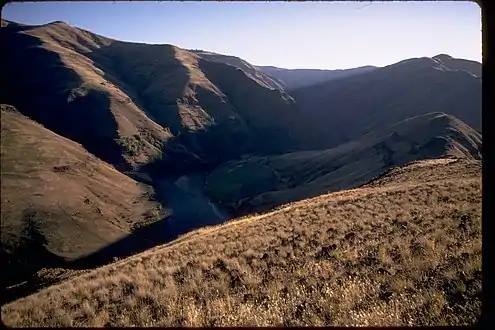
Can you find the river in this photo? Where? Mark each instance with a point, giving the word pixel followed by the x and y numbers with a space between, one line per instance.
pixel 190 208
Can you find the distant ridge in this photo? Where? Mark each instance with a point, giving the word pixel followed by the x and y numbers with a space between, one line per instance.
pixel 297 78
pixel 342 110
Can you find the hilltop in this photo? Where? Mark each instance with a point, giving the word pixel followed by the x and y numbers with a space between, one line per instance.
pixel 253 72
pixel 385 254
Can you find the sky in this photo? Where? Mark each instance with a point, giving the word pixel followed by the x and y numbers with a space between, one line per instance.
pixel 318 35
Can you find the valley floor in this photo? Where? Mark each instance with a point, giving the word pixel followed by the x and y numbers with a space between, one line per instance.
pixel 403 250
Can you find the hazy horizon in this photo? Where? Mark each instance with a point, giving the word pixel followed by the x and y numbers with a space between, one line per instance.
pixel 292 35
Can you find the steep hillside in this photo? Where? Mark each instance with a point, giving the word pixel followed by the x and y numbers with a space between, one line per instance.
pixel 131 104
pixel 405 251
pixel 253 72
pixel 215 111
pixel 60 203
pixel 297 78
pixel 345 109
pixel 260 183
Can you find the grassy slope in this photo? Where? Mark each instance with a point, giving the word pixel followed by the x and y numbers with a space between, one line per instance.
pixel 260 183
pixel 405 250
pixel 343 110
pixel 58 201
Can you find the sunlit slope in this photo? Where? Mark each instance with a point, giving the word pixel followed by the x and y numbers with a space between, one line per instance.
pixel 58 201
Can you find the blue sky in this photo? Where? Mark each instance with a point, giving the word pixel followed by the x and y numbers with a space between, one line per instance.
pixel 324 35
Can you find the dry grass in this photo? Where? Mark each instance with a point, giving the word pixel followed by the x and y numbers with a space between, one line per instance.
pixel 406 251
pixel 44 171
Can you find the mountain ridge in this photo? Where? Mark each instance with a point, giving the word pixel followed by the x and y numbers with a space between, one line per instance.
pixel 298 78
pixel 344 109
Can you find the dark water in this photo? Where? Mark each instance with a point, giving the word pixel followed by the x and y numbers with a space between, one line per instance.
pixel 191 209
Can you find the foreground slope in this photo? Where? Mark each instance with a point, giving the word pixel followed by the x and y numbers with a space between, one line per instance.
pixel 261 183
pixel 59 202
pixel 405 250
pixel 342 110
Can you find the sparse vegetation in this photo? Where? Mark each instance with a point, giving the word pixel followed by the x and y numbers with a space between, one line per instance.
pixel 147 135
pixel 132 145
pixel 404 251
pixel 150 216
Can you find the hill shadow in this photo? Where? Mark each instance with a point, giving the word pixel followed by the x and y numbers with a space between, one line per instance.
pixel 20 279
pixel 138 241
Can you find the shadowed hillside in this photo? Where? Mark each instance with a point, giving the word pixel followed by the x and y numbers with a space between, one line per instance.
pixel 132 104
pixel 405 251
pixel 253 72
pixel 59 202
pixel 260 183
pixel 343 110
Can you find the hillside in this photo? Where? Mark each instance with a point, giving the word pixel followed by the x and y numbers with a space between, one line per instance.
pixel 253 72
pixel 343 110
pixel 60 203
pixel 389 253
pixel 131 104
pixel 110 148
pixel 261 183
pixel 292 79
